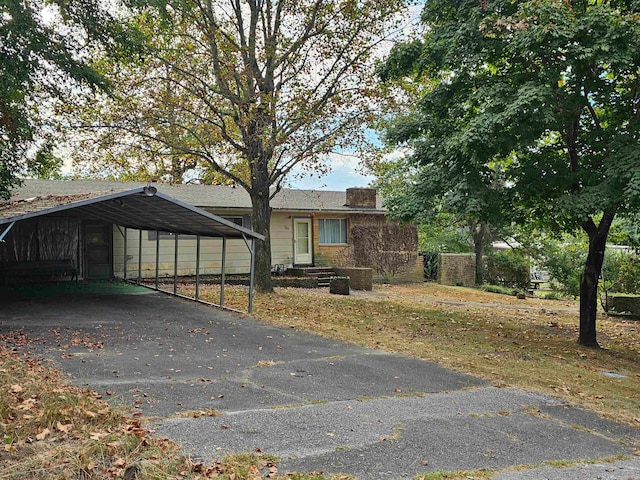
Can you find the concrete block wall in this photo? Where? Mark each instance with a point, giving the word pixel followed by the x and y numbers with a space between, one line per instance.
pixel 457 269
pixel 412 274
pixel 360 278
pixel 361 197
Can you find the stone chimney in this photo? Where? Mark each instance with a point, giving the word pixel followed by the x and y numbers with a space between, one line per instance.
pixel 361 197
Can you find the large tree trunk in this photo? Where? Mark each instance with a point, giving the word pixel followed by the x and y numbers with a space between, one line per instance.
pixel 589 278
pixel 261 220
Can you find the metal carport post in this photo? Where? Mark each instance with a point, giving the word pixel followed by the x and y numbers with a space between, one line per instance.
pixel 6 230
pixel 146 209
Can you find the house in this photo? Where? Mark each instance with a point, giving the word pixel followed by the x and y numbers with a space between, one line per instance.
pixel 308 228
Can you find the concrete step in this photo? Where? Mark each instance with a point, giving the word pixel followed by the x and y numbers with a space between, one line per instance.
pixel 323 274
pixel 303 271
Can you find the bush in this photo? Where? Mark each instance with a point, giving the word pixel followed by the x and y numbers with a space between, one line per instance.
pixel 498 289
pixel 621 272
pixel 507 269
pixel 564 264
pixel 430 262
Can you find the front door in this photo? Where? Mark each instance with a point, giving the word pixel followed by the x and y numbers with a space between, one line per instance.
pixel 98 250
pixel 302 246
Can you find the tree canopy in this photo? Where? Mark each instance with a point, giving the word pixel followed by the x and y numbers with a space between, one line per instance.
pixel 545 93
pixel 43 60
pixel 245 90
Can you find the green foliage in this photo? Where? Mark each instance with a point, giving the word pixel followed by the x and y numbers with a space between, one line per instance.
pixel 430 263
pixel 621 272
pixel 443 235
pixel 509 268
pixel 43 67
pixel 527 110
pixel 507 88
pixel 626 231
pixel 564 264
pixel 498 289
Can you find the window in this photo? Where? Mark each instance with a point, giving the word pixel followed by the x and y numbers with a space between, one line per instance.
pixel 332 231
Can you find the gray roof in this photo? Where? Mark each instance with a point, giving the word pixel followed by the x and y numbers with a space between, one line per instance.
pixel 138 208
pixel 204 196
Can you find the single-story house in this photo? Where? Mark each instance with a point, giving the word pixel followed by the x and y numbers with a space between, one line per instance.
pixel 308 228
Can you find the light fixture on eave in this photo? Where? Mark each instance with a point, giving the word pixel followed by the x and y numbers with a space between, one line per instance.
pixel 150 190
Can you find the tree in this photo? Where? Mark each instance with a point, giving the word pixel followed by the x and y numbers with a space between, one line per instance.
pixel 249 89
pixel 429 191
pixel 41 63
pixel 550 90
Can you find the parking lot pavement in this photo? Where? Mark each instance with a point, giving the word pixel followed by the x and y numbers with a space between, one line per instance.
pixel 318 404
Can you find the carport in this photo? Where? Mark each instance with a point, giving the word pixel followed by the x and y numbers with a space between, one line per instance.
pixel 141 209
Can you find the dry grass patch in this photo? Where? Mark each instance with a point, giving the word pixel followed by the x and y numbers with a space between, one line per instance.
pixel 54 430
pixel 529 343
pixel 51 429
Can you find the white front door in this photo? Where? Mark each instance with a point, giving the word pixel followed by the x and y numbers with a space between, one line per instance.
pixel 302 246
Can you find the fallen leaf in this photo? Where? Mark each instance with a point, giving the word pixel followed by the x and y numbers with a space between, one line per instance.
pixel 43 434
pixel 64 428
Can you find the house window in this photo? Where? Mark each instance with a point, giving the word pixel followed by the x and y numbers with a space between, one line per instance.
pixel 332 231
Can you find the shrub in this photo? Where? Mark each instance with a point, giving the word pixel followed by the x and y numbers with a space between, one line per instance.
pixel 498 289
pixel 430 262
pixel 507 269
pixel 621 272
pixel 564 264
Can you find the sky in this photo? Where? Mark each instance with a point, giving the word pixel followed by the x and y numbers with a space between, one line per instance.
pixel 345 173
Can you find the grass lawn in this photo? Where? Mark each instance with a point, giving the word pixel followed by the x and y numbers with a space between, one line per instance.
pixel 52 430
pixel 529 344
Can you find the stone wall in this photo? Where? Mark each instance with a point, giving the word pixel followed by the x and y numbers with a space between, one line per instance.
pixel 361 278
pixel 624 304
pixel 457 269
pixel 387 247
pixel 361 197
pixel 412 273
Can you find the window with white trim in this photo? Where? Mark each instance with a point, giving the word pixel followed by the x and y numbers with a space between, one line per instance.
pixel 332 231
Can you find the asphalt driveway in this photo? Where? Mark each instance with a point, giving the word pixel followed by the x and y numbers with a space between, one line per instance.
pixel 318 404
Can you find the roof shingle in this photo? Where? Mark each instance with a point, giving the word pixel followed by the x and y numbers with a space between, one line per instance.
pixel 204 196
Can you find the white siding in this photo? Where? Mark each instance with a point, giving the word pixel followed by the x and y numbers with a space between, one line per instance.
pixel 237 258
pixel 237 261
pixel 281 239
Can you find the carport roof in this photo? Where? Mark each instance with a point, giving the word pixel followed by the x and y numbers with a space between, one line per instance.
pixel 142 208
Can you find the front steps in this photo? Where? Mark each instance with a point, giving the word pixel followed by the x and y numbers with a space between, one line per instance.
pixel 323 274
